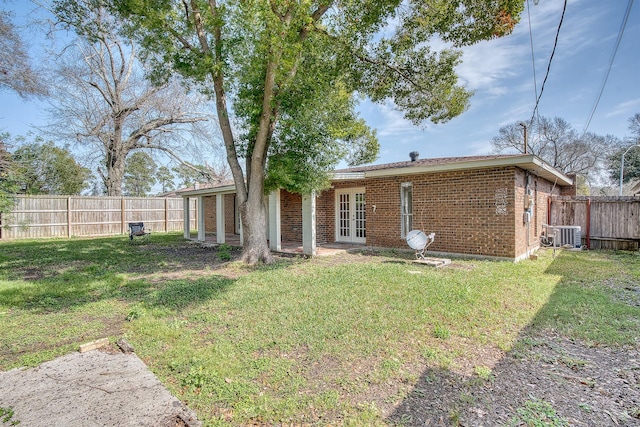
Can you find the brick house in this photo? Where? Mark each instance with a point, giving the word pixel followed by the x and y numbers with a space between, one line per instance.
pixel 484 206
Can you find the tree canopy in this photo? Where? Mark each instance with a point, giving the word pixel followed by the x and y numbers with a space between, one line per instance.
pixel 286 77
pixel 631 159
pixel 139 174
pixel 165 178
pixel 105 103
pixel 8 184
pixel 41 167
pixel 16 71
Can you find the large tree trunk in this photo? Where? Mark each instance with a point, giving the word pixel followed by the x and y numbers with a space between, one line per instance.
pixel 115 175
pixel 255 248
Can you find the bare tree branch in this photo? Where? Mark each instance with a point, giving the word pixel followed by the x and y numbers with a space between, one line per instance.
pixel 103 101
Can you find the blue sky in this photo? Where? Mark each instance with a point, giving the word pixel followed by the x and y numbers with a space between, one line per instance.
pixel 501 74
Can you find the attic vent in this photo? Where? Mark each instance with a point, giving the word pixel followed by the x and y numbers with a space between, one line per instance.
pixel 414 155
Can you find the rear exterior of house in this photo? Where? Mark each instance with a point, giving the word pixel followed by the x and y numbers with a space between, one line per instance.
pixel 484 206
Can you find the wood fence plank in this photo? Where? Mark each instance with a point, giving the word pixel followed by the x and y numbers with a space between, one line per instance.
pixel 86 216
pixel 615 221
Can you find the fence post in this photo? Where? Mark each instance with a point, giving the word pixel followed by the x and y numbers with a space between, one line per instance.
pixel 69 216
pixel 588 240
pixel 166 214
pixel 122 212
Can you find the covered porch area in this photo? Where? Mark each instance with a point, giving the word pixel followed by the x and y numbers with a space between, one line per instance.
pixel 218 220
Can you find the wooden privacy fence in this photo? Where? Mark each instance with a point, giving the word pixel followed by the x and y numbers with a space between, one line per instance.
pixel 606 222
pixel 68 216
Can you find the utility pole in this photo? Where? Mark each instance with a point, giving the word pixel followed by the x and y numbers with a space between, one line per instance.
pixel 524 127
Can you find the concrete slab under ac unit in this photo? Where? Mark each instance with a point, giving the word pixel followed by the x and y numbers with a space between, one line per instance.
pixel 433 262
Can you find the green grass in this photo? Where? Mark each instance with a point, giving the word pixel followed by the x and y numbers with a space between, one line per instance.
pixel 321 341
pixel 537 413
pixel 598 299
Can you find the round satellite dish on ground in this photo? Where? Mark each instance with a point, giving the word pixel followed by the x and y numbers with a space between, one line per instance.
pixel 416 239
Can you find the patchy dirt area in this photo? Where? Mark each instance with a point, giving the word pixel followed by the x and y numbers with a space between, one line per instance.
pixel 188 258
pixel 586 386
pixel 546 376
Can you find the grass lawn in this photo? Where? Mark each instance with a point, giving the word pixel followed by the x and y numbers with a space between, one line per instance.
pixel 332 340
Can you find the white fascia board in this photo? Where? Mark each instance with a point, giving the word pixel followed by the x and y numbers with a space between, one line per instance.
pixel 530 162
pixel 549 173
pixel 227 189
pixel 342 176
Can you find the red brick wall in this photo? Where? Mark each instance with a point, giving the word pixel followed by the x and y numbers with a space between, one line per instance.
pixel 541 190
pixel 229 213
pixel 570 191
pixel 477 212
pixel 325 217
pixel 468 210
pixel 210 214
pixel 291 216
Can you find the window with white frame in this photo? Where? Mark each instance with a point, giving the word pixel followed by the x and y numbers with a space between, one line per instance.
pixel 406 204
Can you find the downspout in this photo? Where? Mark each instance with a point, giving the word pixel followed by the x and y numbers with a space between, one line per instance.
pixel 549 210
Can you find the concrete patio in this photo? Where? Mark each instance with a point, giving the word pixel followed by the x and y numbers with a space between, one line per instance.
pixel 286 247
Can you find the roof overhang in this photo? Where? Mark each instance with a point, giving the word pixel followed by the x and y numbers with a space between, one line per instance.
pixel 223 189
pixel 530 163
pixel 342 176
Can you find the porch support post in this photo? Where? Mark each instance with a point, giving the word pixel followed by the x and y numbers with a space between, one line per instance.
pixel 187 217
pixel 274 221
pixel 201 230
pixel 220 231
pixel 309 223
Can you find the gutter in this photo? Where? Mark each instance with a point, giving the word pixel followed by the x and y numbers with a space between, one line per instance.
pixel 226 189
pixel 527 162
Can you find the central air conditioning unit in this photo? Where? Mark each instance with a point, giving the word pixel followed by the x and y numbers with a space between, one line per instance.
pixel 565 235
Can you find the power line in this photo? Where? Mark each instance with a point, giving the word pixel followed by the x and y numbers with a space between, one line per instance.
pixel 533 59
pixel 555 44
pixel 613 56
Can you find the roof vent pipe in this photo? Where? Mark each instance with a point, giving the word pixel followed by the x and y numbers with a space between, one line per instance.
pixel 414 155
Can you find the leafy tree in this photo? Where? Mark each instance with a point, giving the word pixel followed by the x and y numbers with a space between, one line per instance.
pixel 285 75
pixel 16 72
pixel 8 184
pixel 105 102
pixel 557 143
pixel 139 176
pixel 165 178
pixel 631 159
pixel 44 168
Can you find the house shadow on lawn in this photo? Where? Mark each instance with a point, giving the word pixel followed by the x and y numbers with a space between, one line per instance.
pixel 545 379
pixel 60 275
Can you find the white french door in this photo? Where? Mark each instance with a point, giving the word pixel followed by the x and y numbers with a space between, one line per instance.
pixel 351 216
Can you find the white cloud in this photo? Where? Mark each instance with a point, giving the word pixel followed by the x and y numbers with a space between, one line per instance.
pixel 386 119
pixel 485 64
pixel 626 109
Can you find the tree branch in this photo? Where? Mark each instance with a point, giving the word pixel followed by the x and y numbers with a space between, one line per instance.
pixel 397 70
pixel 223 112
pixel 157 125
pixel 197 21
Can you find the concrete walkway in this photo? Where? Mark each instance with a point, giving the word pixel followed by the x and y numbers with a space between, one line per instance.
pixel 90 389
